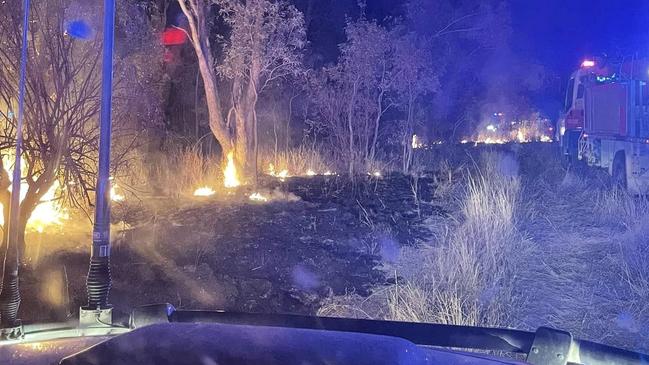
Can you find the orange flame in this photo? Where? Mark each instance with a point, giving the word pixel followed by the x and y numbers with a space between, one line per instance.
pixel 230 178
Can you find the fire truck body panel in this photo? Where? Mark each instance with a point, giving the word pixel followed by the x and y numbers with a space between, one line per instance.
pixel 615 135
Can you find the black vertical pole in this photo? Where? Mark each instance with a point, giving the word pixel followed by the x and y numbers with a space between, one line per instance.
pixel 98 282
pixel 10 295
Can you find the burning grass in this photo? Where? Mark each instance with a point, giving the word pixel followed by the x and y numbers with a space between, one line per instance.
pixel 300 161
pixel 182 170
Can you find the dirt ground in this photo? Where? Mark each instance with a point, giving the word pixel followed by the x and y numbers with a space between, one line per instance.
pixel 322 237
pixel 317 237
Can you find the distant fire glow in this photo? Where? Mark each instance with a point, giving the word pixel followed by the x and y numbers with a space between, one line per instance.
pixel 204 191
pixel 588 63
pixel 230 178
pixel 498 130
pixel 114 195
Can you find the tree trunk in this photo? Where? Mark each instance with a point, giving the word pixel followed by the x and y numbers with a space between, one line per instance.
pixel 350 127
pixel 377 121
pixel 288 121
pixel 198 31
pixel 379 114
pixel 407 158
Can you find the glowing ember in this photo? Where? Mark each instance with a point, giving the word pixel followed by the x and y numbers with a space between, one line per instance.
pixel 328 173
pixel 464 141
pixel 230 179
pixel 376 174
pixel 258 197
pixel 114 195
pixel 204 191
pixel 310 172
pixel 545 139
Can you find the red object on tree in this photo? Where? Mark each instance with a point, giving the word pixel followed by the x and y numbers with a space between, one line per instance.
pixel 173 37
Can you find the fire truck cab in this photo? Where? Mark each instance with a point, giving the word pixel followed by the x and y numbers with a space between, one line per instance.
pixel 606 124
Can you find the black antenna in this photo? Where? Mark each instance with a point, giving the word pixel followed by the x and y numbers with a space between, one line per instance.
pixel 10 293
pixel 98 311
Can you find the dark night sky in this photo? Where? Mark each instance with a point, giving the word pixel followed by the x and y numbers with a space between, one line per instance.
pixel 559 33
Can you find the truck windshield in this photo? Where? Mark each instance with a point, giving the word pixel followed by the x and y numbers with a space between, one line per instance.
pixel 393 160
pixel 569 94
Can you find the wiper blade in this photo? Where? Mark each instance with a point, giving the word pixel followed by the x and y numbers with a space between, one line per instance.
pixel 480 338
pixel 545 346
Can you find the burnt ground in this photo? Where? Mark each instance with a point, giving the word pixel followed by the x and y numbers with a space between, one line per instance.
pixel 317 237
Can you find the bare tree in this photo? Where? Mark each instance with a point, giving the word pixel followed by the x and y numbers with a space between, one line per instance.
pixel 264 46
pixel 353 96
pixel 415 77
pixel 62 98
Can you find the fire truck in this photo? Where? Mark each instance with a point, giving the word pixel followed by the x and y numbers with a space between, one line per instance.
pixel 606 121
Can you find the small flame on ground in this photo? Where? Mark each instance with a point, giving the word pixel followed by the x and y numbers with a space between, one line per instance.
pixel 258 197
pixel 283 174
pixel 204 191
pixel 230 179
pixel 416 143
pixel 328 173
pixel 310 172
pixel 377 174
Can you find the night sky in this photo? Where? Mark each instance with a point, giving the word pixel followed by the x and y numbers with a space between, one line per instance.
pixel 560 33
pixel 557 34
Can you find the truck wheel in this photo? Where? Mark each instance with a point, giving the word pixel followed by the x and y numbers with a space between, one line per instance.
pixel 618 170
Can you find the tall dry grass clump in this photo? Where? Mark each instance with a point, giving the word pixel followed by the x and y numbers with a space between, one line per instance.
pixel 468 278
pixel 181 170
pixel 630 214
pixel 297 161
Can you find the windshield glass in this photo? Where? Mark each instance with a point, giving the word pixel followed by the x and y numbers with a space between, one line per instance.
pixel 391 160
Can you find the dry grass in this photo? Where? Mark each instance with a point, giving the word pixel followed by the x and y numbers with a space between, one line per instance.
pixel 467 276
pixel 181 170
pixel 296 161
pixel 631 214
